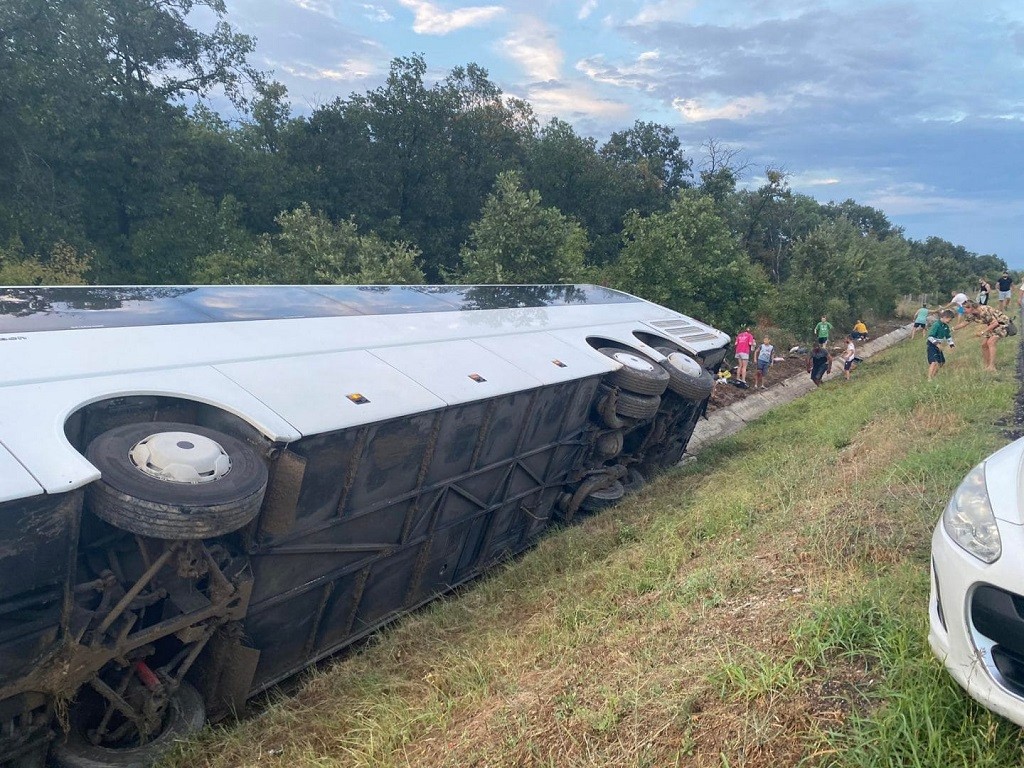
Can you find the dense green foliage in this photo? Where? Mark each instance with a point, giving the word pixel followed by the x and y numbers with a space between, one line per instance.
pixel 112 159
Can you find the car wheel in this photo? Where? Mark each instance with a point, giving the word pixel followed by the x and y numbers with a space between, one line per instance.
pixel 185 716
pixel 175 481
pixel 638 373
pixel 687 378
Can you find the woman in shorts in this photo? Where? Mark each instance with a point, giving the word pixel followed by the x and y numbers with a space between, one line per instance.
pixel 994 327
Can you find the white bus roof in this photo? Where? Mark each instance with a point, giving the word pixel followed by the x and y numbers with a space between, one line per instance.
pixel 286 358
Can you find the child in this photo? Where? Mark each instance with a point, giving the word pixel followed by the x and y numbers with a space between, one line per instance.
pixel 848 357
pixel 939 333
pixel 920 321
pixel 818 363
pixel 765 356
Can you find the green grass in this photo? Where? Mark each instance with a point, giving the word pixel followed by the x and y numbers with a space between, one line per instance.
pixel 763 605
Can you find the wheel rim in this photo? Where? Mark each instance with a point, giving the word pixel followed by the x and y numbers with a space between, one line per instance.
pixel 180 457
pixel 635 362
pixel 685 364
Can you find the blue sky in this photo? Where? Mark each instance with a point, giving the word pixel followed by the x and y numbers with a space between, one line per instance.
pixel 915 107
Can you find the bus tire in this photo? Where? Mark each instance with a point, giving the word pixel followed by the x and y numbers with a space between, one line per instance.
pixel 633 481
pixel 640 407
pixel 186 716
pixel 687 378
pixel 130 498
pixel 603 498
pixel 638 373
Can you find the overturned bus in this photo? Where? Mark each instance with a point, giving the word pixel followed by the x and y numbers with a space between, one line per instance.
pixel 205 489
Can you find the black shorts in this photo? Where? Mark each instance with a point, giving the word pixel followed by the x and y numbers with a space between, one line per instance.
pixel 823 339
pixel 847 365
pixel 817 371
pixel 935 355
pixel 919 325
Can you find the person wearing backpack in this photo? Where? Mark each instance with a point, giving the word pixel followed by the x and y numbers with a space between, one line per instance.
pixel 995 325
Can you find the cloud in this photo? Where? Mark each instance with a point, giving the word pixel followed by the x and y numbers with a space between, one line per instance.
pixel 586 9
pixel 908 199
pixel 639 75
pixel 376 13
pixel 532 45
pixel 322 7
pixel 571 102
pixel 700 111
pixel 430 19
pixel 664 10
pixel 343 71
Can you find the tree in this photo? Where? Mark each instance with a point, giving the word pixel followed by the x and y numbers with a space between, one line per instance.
pixel 311 249
pixel 687 259
pixel 569 173
pixel 518 241
pixel 839 271
pixel 63 265
pixel 653 153
pixel 96 86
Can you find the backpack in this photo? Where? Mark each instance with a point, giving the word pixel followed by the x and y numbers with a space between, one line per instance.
pixel 1011 328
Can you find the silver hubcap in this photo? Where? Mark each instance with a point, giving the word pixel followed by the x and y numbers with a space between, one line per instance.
pixel 687 365
pixel 180 457
pixel 633 361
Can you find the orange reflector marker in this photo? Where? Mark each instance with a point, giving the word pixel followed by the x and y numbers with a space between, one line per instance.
pixel 477 378
pixel 559 363
pixel 356 398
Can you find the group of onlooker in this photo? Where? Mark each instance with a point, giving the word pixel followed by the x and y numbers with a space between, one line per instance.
pixel 995 322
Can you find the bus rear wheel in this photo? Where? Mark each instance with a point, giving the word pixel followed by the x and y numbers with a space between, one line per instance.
pixel 175 481
pixel 184 716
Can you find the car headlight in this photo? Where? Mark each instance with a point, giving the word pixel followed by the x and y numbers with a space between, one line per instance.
pixel 968 518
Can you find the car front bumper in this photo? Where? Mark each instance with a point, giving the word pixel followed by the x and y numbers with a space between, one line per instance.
pixel 976 617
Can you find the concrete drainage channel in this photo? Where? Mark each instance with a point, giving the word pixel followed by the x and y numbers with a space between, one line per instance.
pixel 729 420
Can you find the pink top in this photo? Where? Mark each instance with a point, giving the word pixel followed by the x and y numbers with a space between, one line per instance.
pixel 744 342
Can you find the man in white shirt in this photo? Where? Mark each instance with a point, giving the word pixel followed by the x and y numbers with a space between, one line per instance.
pixel 959 297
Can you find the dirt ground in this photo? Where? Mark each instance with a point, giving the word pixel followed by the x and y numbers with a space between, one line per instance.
pixel 728 393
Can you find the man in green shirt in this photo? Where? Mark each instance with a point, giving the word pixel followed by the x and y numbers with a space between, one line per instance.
pixel 939 333
pixel 822 329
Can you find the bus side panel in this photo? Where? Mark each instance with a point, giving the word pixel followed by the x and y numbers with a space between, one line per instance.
pixel 389 515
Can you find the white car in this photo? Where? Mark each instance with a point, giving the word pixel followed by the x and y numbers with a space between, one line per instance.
pixel 977 593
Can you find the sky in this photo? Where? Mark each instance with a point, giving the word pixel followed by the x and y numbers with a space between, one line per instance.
pixel 914 107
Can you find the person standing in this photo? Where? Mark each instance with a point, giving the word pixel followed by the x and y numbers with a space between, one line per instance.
pixel 822 330
pixel 744 344
pixel 848 357
pixel 983 291
pixel 920 321
pixel 765 358
pixel 939 333
pixel 1005 284
pixel 819 362
pixel 994 324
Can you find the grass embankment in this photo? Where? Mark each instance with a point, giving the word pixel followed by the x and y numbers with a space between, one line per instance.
pixel 763 606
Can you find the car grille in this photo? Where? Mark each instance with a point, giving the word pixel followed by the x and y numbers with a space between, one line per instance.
pixel 997 617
